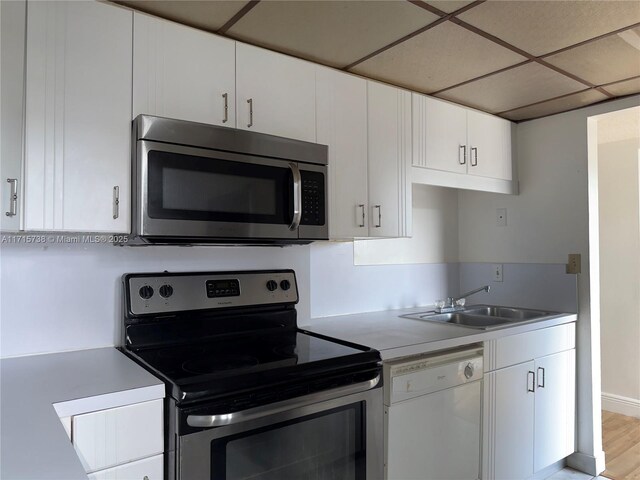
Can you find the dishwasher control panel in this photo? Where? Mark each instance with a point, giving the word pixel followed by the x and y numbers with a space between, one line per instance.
pixel 410 378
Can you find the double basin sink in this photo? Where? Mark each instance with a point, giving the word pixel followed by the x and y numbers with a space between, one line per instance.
pixel 485 317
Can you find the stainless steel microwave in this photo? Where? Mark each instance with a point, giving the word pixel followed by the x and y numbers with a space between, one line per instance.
pixel 202 184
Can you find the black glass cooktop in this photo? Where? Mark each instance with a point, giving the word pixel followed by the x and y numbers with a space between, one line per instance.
pixel 252 361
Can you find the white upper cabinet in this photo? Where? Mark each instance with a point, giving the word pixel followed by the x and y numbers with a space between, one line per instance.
pixel 450 139
pixel 183 73
pixel 275 94
pixel 489 142
pixel 13 16
pixel 78 117
pixel 341 112
pixel 439 135
pixel 389 160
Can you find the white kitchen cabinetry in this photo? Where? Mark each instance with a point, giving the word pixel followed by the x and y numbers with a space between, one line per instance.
pixel 458 147
pixel 529 406
pixel 78 117
pixel 275 94
pixel 148 468
pixel 183 73
pixel 110 438
pixel 341 110
pixel 13 16
pixel 389 160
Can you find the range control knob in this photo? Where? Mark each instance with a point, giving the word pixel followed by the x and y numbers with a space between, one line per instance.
pixel 285 284
pixel 272 285
pixel 146 292
pixel 166 291
pixel 468 371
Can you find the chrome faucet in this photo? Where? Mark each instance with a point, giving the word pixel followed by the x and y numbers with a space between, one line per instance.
pixel 451 304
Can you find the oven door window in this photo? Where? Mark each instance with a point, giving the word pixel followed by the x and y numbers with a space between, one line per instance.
pixel 185 187
pixel 325 446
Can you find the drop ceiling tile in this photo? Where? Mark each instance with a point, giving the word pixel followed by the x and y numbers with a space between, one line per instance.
pixel 449 6
pixel 208 16
pixel 626 87
pixel 541 27
pixel 556 106
pixel 438 58
pixel 603 61
pixel 619 125
pixel 335 33
pixel 513 88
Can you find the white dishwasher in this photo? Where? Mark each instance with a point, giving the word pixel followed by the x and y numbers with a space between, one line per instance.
pixel 433 415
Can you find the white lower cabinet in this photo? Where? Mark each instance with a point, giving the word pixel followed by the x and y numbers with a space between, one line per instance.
pixel 117 436
pixel 529 407
pixel 147 469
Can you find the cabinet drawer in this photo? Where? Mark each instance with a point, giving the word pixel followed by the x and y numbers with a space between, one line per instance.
pixel 147 469
pixel 523 347
pixel 111 437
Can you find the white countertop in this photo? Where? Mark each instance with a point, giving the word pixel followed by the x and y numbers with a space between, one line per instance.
pixel 397 337
pixel 33 443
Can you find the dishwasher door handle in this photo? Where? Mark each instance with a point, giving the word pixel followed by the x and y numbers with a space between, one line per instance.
pixel 219 420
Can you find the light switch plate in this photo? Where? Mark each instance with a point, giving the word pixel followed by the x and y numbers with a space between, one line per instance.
pixel 497 272
pixel 574 264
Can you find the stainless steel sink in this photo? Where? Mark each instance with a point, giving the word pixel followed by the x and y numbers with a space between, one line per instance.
pixel 484 317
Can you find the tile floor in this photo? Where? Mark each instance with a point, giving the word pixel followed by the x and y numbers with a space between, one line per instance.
pixel 570 474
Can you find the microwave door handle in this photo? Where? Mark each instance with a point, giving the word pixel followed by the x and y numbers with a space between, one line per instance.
pixel 297 196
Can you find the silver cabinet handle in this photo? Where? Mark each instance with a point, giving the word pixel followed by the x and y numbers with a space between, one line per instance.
pixel 218 420
pixel 540 377
pixel 116 202
pixel 379 216
pixel 13 198
pixel 474 154
pixel 462 160
pixel 361 206
pixel 225 96
pixel 250 102
pixel 297 196
pixel 531 376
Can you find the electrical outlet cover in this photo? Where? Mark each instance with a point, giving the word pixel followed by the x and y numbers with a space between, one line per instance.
pixel 497 273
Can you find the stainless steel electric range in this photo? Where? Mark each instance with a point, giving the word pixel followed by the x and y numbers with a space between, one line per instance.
pixel 249 394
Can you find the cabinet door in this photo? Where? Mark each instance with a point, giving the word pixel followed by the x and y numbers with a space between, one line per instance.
pixel 276 94
pixel 149 468
pixel 13 16
pixel 78 117
pixel 489 143
pixel 555 408
pixel 107 438
pixel 341 109
pixel 509 422
pixel 389 147
pixel 439 135
pixel 184 73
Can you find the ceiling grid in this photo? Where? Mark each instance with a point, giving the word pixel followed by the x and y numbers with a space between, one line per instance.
pixel 519 60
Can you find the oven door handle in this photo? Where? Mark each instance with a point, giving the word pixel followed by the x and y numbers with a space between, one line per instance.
pixel 297 196
pixel 219 420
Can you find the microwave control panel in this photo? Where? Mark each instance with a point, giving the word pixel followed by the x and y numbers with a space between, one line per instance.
pixel 313 198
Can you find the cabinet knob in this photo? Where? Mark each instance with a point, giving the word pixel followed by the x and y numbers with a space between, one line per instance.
pixel 468 371
pixel 225 96
pixel 250 102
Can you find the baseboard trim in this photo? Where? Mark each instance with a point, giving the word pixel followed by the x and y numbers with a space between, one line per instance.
pixel 587 463
pixel 619 404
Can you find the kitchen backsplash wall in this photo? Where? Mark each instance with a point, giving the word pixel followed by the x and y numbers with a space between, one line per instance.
pixel 340 287
pixel 68 297
pixel 528 285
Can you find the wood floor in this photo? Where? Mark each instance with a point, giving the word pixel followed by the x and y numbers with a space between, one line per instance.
pixel 621 439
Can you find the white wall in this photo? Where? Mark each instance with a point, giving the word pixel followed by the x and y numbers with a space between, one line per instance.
pixel 546 221
pixel 58 297
pixel 619 205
